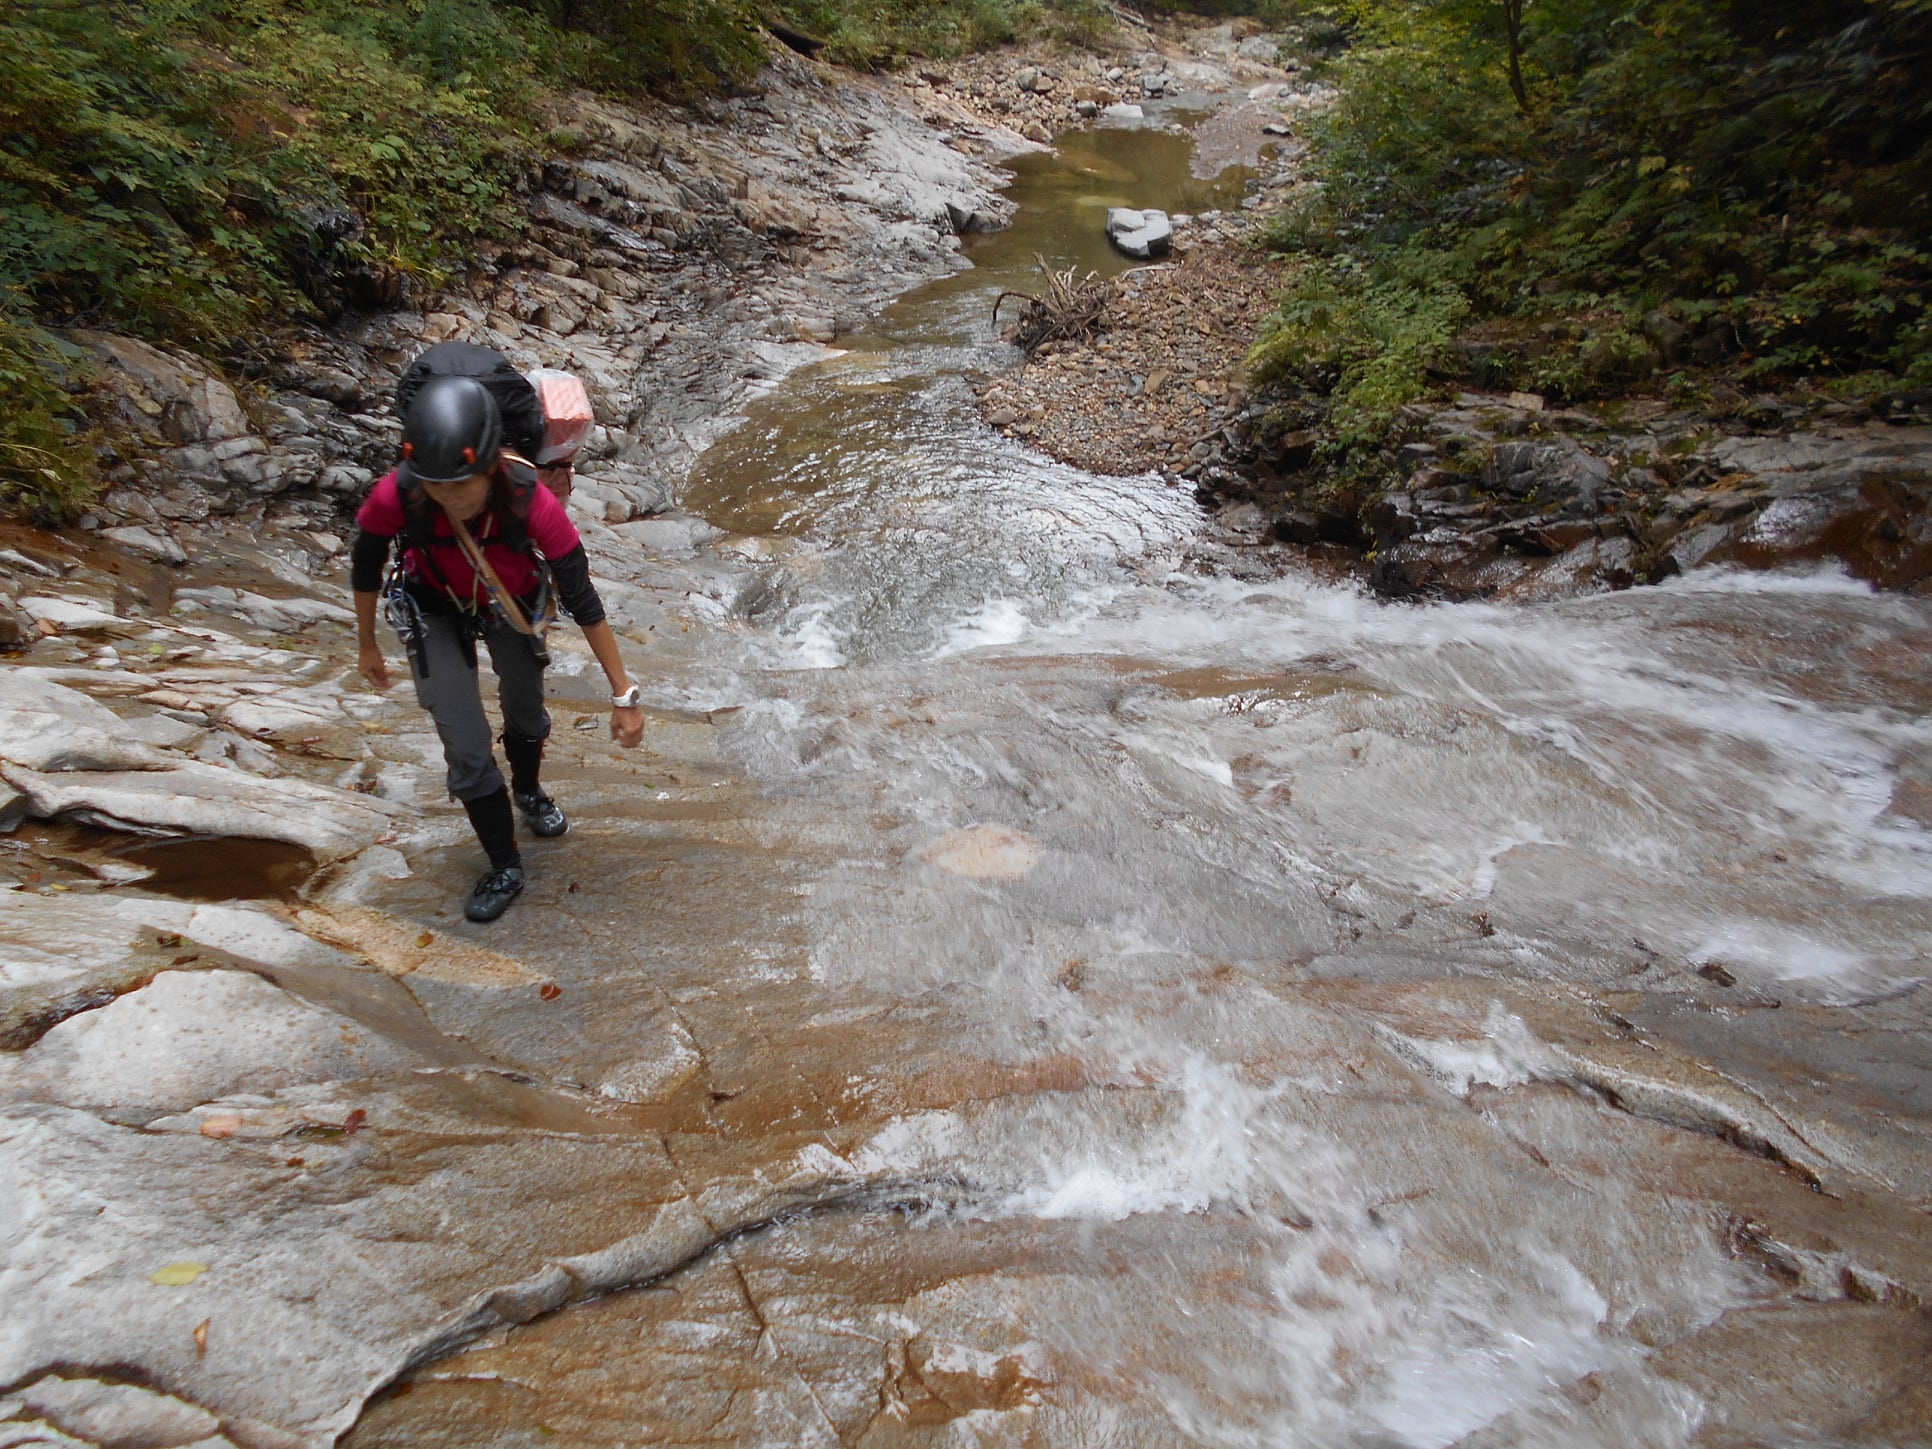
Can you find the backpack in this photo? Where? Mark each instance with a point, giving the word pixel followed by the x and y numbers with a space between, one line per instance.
pixel 516 399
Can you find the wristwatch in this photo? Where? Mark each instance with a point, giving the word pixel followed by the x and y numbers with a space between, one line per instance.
pixel 629 698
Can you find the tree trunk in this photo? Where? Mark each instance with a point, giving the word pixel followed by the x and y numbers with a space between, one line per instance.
pixel 1513 19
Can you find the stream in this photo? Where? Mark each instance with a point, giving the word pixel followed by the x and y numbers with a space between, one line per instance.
pixel 1265 1015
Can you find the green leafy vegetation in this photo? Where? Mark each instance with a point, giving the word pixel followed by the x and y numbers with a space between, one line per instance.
pixel 1578 196
pixel 871 36
pixel 186 170
pixel 195 171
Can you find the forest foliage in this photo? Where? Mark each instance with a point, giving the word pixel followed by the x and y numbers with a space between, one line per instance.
pixel 1581 196
pixel 188 171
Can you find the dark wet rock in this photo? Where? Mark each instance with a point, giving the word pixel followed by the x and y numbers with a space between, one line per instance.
pixel 1548 471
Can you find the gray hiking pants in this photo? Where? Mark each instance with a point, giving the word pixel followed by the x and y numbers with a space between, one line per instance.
pixel 452 694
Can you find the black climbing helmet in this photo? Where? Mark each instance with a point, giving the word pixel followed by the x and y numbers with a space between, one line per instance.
pixel 451 430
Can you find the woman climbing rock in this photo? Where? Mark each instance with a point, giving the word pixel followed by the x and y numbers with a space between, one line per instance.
pixel 482 549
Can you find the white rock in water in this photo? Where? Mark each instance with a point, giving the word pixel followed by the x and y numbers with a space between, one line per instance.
pixel 59 954
pixel 1140 233
pixel 1124 111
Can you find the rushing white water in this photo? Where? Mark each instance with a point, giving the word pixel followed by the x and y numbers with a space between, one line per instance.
pixel 1173 769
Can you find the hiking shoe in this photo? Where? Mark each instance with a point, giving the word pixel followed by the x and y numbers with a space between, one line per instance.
pixel 490 897
pixel 544 815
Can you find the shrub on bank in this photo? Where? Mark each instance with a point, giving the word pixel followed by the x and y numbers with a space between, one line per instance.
pixel 1578 195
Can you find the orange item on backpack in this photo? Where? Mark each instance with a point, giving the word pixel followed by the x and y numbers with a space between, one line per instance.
pixel 567 416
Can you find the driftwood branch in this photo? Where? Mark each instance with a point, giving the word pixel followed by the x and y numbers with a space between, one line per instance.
pixel 1068 309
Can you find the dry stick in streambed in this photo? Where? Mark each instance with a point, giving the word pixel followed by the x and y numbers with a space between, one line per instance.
pixel 1069 309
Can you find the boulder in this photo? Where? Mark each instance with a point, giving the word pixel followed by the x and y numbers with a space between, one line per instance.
pixel 198 799
pixel 1548 470
pixel 47 726
pixel 163 392
pixel 1140 233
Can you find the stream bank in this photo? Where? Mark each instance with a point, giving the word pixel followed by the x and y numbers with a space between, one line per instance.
pixel 1472 496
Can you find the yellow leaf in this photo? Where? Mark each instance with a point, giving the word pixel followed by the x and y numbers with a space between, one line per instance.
pixel 1650 164
pixel 177 1275
pixel 427 938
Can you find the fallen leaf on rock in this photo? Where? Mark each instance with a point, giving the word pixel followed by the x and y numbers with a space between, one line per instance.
pixel 550 991
pixel 427 938
pixel 572 889
pixel 353 1123
pixel 170 941
pixel 177 1275
pixel 223 1124
pixel 184 960
pixel 201 1337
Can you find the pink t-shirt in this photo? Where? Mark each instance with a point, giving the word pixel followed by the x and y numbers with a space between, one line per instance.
pixel 550 530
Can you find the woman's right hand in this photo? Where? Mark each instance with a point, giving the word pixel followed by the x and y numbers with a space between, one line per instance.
pixel 373 667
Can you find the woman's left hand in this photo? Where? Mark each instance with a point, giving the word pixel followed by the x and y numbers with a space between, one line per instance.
pixel 627 726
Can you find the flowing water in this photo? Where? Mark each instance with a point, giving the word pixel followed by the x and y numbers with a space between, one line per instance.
pixel 1295 1018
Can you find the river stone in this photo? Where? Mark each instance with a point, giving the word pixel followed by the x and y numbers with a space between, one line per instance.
pixel 326 1275
pixel 46 726
pixel 1140 233
pixel 191 1037
pixel 198 799
pixel 165 392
